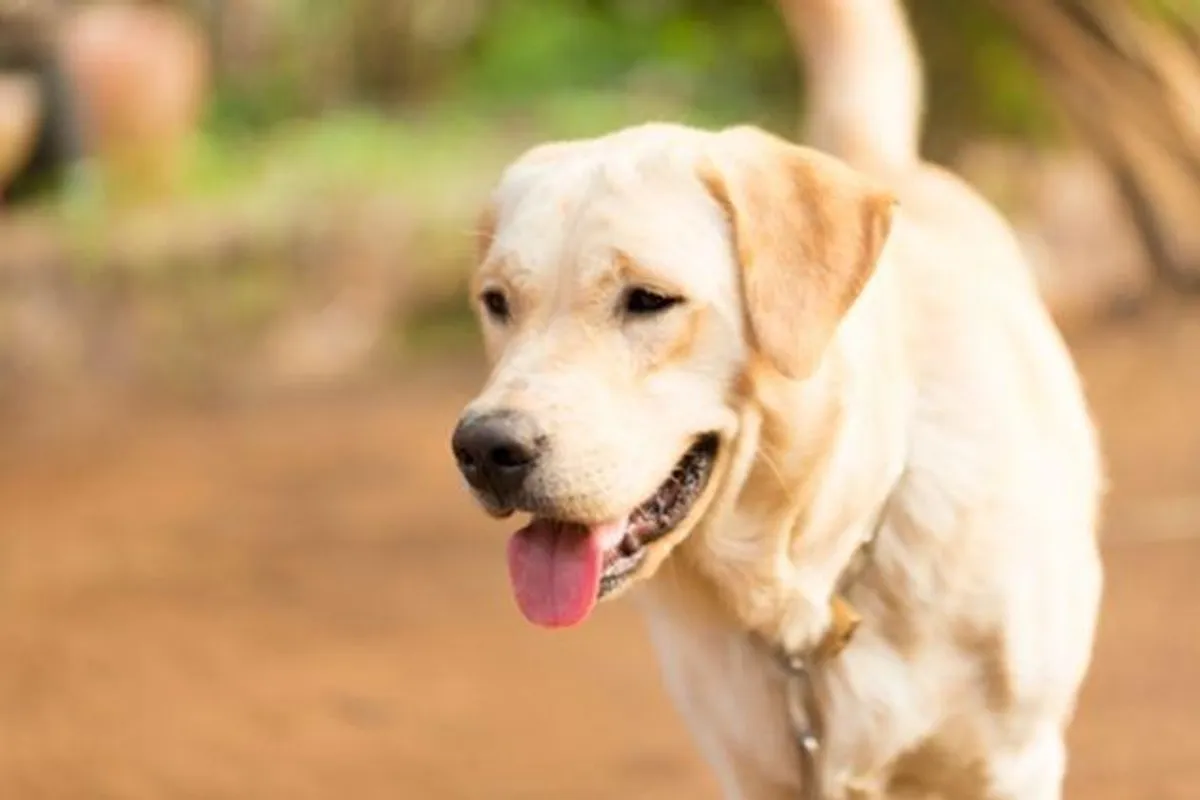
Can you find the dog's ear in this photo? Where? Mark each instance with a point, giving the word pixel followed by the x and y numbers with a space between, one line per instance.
pixel 807 232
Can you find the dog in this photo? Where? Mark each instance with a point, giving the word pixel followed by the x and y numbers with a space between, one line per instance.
pixel 805 406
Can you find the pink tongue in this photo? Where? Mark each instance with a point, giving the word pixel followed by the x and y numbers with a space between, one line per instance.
pixel 555 569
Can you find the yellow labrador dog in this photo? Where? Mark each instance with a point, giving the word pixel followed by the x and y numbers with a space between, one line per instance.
pixel 818 418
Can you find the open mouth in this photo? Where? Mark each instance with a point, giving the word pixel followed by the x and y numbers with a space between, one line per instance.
pixel 560 570
pixel 661 514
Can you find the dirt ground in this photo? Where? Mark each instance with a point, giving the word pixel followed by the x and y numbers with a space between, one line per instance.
pixel 293 599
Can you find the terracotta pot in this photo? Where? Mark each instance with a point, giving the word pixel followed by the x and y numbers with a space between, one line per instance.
pixel 141 78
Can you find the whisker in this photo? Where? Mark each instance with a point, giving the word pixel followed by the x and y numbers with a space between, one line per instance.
pixel 760 452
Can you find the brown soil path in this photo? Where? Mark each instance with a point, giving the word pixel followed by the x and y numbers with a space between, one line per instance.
pixel 294 600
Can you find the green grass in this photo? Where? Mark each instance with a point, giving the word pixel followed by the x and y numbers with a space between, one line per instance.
pixel 433 170
pixel 440 159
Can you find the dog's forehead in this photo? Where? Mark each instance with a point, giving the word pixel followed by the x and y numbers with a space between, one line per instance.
pixel 586 215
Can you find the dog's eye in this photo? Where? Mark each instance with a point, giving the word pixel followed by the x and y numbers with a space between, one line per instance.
pixel 644 302
pixel 496 304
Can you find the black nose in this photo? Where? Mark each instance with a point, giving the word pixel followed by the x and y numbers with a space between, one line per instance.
pixel 497 451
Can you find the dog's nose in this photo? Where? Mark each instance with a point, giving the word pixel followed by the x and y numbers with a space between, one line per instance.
pixel 497 451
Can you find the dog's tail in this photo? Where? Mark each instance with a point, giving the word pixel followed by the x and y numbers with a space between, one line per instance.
pixel 863 80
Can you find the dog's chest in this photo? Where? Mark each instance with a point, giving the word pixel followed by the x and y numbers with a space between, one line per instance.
pixel 731 696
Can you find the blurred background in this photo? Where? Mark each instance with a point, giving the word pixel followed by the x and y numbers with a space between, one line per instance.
pixel 235 560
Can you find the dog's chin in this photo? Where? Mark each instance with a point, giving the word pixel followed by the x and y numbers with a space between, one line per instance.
pixel 561 568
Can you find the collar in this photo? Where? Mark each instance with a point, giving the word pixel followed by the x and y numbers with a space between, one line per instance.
pixel 803 706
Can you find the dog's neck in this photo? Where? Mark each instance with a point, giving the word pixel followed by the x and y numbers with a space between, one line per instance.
pixel 813 467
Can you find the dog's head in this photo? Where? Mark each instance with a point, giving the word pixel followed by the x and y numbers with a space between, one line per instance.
pixel 627 285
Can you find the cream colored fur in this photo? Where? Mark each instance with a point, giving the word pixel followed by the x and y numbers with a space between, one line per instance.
pixel 862 77
pixel 927 383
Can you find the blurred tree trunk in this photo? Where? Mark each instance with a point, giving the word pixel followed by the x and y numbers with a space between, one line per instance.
pixel 382 49
pixel 403 49
pixel 1129 81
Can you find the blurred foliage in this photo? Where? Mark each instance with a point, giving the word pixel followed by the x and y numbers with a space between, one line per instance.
pixel 725 60
pixel 387 121
pixel 705 61
pixel 427 100
pixel 979 81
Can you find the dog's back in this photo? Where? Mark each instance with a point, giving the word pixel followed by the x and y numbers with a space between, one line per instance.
pixel 1001 418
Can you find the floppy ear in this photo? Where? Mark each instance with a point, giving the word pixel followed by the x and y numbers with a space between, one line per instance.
pixel 807 232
